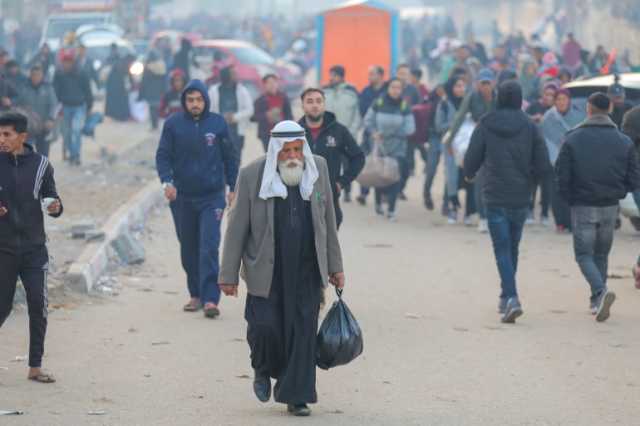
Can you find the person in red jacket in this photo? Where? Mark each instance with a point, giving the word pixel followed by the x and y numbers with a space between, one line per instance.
pixel 270 109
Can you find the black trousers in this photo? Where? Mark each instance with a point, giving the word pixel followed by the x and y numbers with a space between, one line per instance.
pixel 31 267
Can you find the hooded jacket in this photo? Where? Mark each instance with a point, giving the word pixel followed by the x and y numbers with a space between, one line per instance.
pixel 512 151
pixel 597 165
pixel 334 142
pixel 394 120
pixel 197 155
pixel 25 180
pixel 343 100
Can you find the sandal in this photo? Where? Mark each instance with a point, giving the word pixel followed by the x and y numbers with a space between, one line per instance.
pixel 192 307
pixel 43 378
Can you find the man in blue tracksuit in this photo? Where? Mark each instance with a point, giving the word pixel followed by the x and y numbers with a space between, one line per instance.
pixel 196 160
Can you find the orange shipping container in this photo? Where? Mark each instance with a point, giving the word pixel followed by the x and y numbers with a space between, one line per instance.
pixel 357 35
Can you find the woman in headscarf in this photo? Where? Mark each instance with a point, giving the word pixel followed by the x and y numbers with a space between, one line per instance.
pixel 117 95
pixel 529 79
pixel 455 90
pixel 556 122
pixel 390 122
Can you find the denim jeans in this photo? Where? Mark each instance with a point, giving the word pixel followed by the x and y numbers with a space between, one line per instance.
pixel 199 235
pixel 506 226
pixel 433 159
pixel 452 172
pixel 593 229
pixel 391 192
pixel 74 117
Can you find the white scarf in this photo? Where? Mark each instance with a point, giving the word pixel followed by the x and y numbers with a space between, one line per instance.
pixel 272 185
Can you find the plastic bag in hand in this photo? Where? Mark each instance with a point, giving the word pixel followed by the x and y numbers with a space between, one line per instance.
pixel 340 338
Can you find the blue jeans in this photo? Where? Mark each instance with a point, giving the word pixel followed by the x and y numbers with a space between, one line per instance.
pixel 199 235
pixel 452 173
pixel 506 226
pixel 433 159
pixel 74 117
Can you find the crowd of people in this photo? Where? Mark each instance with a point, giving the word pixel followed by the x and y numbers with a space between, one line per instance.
pixel 503 125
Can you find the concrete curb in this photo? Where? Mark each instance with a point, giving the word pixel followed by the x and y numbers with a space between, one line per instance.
pixel 92 263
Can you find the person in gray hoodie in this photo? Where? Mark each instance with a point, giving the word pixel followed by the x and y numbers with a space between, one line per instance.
pixel 390 122
pixel 556 122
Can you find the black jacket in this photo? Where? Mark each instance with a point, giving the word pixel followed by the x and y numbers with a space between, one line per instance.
pixel 513 153
pixel 73 88
pixel 334 142
pixel 24 181
pixel 597 165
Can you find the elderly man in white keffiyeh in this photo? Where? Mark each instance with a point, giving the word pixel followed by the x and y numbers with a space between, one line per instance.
pixel 282 232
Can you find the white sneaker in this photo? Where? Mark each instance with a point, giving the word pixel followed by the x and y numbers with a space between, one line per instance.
pixel 483 226
pixel 545 221
pixel 392 217
pixel 468 221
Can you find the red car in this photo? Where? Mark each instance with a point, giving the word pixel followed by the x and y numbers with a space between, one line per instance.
pixel 251 64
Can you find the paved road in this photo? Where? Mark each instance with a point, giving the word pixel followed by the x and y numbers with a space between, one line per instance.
pixel 435 352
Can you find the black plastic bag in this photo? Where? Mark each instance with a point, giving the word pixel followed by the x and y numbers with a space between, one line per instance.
pixel 340 338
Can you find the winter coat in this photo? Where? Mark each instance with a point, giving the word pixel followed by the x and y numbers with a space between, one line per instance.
pixel 368 96
pixel 40 100
pixel 197 156
pixel 598 164
pixel 154 82
pixel 473 103
pixel 261 111
pixel 512 152
pixel 555 126
pixel 394 120
pixel 24 181
pixel 334 143
pixel 343 100
pixel 73 88
pixel 245 106
pixel 170 103
pixel 445 113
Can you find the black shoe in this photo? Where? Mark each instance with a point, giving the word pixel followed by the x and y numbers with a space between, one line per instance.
pixel 362 200
pixel 513 311
pixel 347 197
pixel 262 387
pixel 299 410
pixel 428 202
pixel 402 197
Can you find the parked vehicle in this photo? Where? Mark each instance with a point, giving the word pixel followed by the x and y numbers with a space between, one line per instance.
pixel 59 25
pixel 251 63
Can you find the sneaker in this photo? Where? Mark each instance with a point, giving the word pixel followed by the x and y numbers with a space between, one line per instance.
pixel 362 200
pixel 299 410
pixel 347 197
pixel 468 221
pixel 379 210
pixel 545 221
pixel 428 202
pixel 483 226
pixel 593 307
pixel 452 217
pixel 530 219
pixel 502 305
pixel 604 302
pixel 513 311
pixel 402 196
pixel 392 217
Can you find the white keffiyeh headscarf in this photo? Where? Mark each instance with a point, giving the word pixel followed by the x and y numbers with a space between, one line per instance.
pixel 272 185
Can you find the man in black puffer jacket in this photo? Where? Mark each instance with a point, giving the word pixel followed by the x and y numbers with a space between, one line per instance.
pixel 596 168
pixel 26 186
pixel 513 153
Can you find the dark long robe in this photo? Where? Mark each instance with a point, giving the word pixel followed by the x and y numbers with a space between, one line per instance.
pixel 282 329
pixel 117 102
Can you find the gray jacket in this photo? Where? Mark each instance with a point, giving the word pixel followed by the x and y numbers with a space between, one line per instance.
pixel 249 240
pixel 394 121
pixel 343 100
pixel 40 100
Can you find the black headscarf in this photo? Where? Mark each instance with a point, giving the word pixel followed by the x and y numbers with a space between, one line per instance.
pixel 448 88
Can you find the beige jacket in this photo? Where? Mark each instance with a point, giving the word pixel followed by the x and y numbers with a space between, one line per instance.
pixel 249 239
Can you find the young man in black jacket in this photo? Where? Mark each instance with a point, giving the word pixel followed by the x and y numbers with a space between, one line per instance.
pixel 513 154
pixel 331 140
pixel 596 168
pixel 26 187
